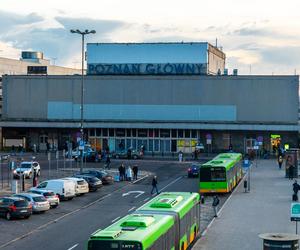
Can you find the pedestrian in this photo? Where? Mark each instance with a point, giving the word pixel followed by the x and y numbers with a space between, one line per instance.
pixel 296 188
pixel 107 162
pixel 180 156
pixel 290 167
pixel 128 173
pixel 123 172
pixel 280 160
pixel 135 172
pixel 215 204
pixel 120 172
pixel 154 185
pixel 129 153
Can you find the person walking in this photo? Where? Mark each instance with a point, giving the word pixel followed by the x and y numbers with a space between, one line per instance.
pixel 120 172
pixel 280 160
pixel 296 188
pixel 154 185
pixel 128 173
pixel 290 167
pixel 107 162
pixel 135 172
pixel 215 204
pixel 123 172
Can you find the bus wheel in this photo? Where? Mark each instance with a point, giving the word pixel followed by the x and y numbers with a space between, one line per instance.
pixel 182 246
pixel 195 233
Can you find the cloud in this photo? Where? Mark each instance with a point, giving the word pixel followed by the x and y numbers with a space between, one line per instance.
pixel 53 37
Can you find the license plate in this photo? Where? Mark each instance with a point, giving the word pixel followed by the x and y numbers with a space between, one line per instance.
pixel 23 211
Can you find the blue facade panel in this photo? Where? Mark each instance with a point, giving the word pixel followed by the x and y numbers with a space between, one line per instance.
pixel 67 110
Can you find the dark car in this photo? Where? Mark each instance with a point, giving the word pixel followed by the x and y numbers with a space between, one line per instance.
pixel 100 174
pixel 94 182
pixel 125 155
pixel 91 156
pixel 193 171
pixel 15 207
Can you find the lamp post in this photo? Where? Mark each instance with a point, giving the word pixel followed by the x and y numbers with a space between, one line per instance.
pixel 82 33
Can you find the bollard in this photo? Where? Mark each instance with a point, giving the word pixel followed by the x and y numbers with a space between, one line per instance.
pixel 245 185
pixel 202 199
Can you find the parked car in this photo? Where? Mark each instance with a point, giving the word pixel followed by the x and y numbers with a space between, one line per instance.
pixel 27 169
pixel 124 154
pixel 91 156
pixel 51 197
pixel 65 189
pixel 81 186
pixel 100 174
pixel 193 170
pixel 75 153
pixel 94 182
pixel 38 202
pixel 15 207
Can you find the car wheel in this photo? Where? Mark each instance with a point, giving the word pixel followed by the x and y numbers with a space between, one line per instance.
pixel 26 217
pixel 189 176
pixel 8 216
pixel 54 206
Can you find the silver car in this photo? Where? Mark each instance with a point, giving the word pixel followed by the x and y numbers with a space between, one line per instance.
pixel 39 202
pixel 49 195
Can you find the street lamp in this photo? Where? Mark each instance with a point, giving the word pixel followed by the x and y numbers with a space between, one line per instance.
pixel 82 33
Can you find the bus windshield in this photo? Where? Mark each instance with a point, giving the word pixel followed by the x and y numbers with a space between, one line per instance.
pixel 113 245
pixel 208 174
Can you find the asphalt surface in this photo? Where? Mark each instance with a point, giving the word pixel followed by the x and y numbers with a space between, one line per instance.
pixel 71 224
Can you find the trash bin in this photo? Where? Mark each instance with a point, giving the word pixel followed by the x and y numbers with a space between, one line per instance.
pixel 279 241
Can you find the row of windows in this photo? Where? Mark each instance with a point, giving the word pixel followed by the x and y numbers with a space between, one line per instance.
pixel 162 133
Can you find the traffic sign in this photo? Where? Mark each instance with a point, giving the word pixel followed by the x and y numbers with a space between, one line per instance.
pixel 295 211
pixel 81 145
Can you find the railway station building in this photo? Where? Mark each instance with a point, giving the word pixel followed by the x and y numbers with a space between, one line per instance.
pixel 167 97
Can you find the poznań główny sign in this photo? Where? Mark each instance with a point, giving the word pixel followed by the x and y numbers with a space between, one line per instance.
pixel 147 69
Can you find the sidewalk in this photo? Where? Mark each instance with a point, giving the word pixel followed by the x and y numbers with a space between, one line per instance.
pixel 265 209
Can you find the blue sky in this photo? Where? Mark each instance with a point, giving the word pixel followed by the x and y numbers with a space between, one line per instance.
pixel 263 35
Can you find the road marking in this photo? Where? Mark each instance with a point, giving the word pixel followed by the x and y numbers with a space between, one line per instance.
pixel 180 177
pixel 219 212
pixel 131 209
pixel 73 246
pixel 140 179
pixel 132 192
pixel 147 199
pixel 138 195
pixel 115 219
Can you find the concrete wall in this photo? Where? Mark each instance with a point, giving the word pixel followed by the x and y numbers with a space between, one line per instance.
pixel 230 99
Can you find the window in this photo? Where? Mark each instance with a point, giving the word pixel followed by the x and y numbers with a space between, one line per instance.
pixel 174 146
pixel 128 132
pixel 151 133
pixel 174 133
pixel 142 133
pixel 156 132
pixel 218 174
pixel 105 132
pixel 194 133
pixel 111 132
pixel 134 133
pixel 187 133
pixel 92 132
pixel 165 133
pixel 180 133
pixel 156 145
pixel 151 143
pixel 98 132
pixel 120 132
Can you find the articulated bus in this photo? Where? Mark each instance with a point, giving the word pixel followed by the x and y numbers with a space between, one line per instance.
pixel 221 174
pixel 170 221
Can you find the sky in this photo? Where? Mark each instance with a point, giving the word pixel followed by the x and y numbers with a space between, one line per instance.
pixel 257 36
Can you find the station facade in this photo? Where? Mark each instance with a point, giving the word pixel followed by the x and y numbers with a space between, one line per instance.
pixel 165 97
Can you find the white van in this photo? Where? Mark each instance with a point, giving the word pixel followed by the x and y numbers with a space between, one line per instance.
pixel 81 186
pixel 65 189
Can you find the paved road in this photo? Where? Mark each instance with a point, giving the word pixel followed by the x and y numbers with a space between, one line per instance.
pixel 265 209
pixel 75 228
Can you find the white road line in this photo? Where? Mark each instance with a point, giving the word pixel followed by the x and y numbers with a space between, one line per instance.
pixel 115 219
pixel 140 179
pixel 147 199
pixel 73 246
pixel 171 183
pixel 131 209
pixel 219 212
pixel 138 195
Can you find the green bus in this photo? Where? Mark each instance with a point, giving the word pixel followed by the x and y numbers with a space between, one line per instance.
pixel 170 221
pixel 221 174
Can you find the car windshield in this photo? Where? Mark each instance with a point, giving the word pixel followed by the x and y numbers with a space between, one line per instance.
pixel 37 199
pixel 48 194
pixel 26 165
pixel 21 203
pixel 93 179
